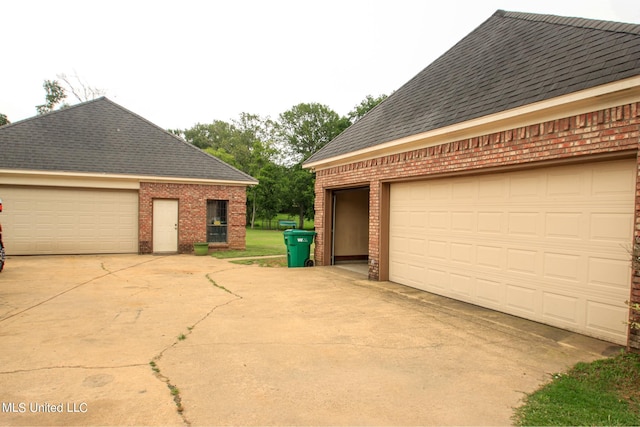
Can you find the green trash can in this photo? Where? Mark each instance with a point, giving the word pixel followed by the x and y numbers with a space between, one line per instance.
pixel 299 247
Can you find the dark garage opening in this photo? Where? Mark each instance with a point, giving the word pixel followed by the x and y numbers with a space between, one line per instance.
pixel 350 226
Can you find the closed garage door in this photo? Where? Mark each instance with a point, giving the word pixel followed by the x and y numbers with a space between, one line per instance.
pixel 38 221
pixel 550 245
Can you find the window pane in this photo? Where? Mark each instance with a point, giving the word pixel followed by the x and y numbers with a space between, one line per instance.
pixel 217 221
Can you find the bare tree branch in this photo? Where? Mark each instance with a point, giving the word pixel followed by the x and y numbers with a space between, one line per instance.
pixel 79 89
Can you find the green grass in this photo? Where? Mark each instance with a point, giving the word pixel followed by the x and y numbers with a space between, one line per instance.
pixel 264 224
pixel 263 262
pixel 604 392
pixel 259 243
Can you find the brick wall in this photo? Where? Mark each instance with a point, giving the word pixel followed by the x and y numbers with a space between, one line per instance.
pixel 605 131
pixel 192 213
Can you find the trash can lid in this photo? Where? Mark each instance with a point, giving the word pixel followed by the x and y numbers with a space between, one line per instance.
pixel 299 232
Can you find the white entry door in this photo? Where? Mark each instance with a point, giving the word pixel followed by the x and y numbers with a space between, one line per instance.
pixel 165 226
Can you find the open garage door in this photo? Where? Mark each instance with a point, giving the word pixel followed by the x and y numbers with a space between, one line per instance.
pixel 43 220
pixel 550 245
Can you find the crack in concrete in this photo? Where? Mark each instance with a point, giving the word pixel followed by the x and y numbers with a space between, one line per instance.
pixel 47 368
pixel 175 391
pixel 74 287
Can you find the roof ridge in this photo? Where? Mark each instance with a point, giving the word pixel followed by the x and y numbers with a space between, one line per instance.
pixel 594 24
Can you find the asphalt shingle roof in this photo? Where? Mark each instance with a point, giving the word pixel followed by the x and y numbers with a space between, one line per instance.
pixel 512 59
pixel 100 136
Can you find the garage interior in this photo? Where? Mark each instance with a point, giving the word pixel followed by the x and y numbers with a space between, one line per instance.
pixel 350 228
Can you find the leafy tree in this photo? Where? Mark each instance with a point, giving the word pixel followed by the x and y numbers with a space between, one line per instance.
pixel 306 128
pixel 273 153
pixel 364 107
pixel 4 120
pixel 302 131
pixel 271 192
pixel 212 135
pixel 55 94
pixel 299 194
pixel 245 143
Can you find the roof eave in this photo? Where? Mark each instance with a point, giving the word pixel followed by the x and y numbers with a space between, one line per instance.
pixel 592 99
pixel 21 173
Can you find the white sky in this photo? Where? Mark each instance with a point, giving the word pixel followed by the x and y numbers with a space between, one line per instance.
pixel 178 63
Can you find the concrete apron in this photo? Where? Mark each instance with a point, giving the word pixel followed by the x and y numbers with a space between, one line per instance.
pixel 245 345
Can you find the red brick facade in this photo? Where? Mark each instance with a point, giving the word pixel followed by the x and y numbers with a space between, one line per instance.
pixel 192 213
pixel 608 132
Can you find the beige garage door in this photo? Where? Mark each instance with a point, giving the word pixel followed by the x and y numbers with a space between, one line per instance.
pixel 550 245
pixel 38 221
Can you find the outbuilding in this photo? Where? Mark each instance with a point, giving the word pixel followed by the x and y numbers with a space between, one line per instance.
pixel 97 178
pixel 504 174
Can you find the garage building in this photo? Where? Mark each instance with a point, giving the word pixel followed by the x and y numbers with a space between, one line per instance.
pixel 504 174
pixel 97 178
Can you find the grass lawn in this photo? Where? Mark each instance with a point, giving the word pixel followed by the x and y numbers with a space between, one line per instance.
pixel 261 243
pixel 264 225
pixel 604 392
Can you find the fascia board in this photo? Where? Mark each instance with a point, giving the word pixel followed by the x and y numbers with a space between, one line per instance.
pixel 78 179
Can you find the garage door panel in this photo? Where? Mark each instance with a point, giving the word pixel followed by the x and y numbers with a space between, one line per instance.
pixel 564 225
pixel 437 221
pixel 522 187
pixel 549 245
pixel 490 292
pixel 436 280
pixel 47 220
pixel 606 318
pixel 611 226
pixel 415 220
pixel 491 190
pixel 521 299
pixel 464 190
pixel 523 223
pixel 522 261
pixel 439 191
pixel 438 249
pixel 608 274
pixel 461 284
pixel 563 308
pixel 608 182
pixel 463 221
pixel 416 245
pixel 563 266
pixel 490 222
pixel 566 184
pixel 462 253
pixel 415 273
pixel 490 256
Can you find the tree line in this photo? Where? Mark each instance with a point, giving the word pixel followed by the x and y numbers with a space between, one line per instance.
pixel 272 151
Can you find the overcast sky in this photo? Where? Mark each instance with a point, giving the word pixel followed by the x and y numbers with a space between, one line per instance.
pixel 178 63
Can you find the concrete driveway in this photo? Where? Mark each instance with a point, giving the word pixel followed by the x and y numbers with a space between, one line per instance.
pixel 122 340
